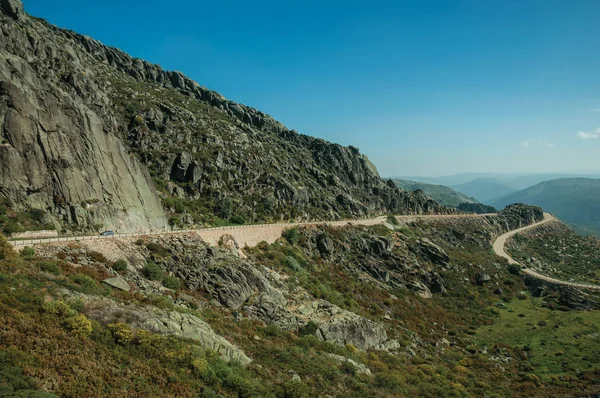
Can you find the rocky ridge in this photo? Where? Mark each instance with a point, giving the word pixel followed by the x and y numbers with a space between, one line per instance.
pixel 80 114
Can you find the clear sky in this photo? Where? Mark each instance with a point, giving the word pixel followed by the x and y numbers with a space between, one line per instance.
pixel 425 87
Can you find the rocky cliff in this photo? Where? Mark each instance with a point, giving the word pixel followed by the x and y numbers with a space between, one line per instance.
pixel 96 130
pixel 57 152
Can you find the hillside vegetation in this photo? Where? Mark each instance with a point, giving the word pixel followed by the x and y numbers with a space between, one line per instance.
pixel 418 310
pixel 557 251
pixel 574 200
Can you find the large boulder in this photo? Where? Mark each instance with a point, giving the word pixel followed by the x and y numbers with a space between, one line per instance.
pixel 342 327
pixel 118 283
pixel 483 278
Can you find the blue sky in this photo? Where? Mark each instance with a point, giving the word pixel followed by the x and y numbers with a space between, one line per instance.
pixel 421 87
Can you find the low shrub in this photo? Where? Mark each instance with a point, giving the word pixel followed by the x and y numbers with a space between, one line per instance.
pixel 50 267
pixel 171 282
pixel 97 257
pixel 120 265
pixel 28 252
pixel 237 219
pixel 157 249
pixel 84 281
pixel 79 325
pixel 152 271
pixel 291 235
pixel 121 332
pixel 58 308
pixel 292 263
pixel 392 220
pixel 310 329
pixel 348 367
pixel 200 366
pixel 514 269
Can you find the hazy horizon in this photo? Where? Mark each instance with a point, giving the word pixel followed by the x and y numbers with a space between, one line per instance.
pixel 422 89
pixel 591 173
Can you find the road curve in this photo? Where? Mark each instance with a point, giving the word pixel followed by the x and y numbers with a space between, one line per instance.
pixel 500 243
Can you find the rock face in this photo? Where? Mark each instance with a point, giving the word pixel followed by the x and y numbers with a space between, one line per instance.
pixel 86 122
pixel 57 151
pixel 14 8
pixel 430 251
pixel 186 326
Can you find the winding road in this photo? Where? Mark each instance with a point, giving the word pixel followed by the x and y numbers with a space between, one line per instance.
pixel 500 243
pixel 251 235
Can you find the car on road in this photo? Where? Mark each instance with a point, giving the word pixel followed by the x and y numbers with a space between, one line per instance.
pixel 108 233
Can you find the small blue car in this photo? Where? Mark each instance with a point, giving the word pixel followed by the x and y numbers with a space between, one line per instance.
pixel 108 233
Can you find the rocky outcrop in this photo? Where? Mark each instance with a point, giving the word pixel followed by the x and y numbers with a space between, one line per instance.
pixel 360 368
pixel 342 327
pixel 188 326
pixel 57 151
pixel 240 285
pixel 519 215
pixel 429 251
pixel 483 278
pixel 182 325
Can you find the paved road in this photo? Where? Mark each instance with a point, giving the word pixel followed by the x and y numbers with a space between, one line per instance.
pixel 244 235
pixel 500 243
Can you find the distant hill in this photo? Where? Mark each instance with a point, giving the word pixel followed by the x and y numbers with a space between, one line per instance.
pixel 573 200
pixel 485 189
pixel 441 194
pixel 489 188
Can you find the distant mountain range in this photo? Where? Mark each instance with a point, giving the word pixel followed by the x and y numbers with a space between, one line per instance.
pixel 446 196
pixel 573 200
pixel 485 189
pixel 489 188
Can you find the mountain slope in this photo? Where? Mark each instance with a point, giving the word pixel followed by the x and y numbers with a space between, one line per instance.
pixel 342 312
pixel 440 193
pixel 97 121
pixel 484 189
pixel 574 200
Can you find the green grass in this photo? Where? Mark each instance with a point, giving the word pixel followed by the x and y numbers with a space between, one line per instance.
pixel 558 343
